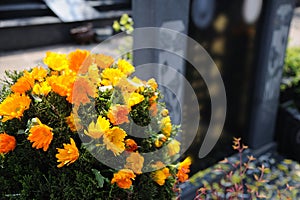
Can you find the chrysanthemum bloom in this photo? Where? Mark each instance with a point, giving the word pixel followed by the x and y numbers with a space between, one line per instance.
pixel 73 122
pixel 76 59
pixel 7 143
pixel 118 114
pixel 160 140
pixel 133 98
pixel 98 129
pixel 14 106
pixel 161 175
pixel 114 140
pixel 111 76
pixel 39 73
pixel 125 66
pixel 68 154
pixel 127 85
pixel 173 147
pixel 153 109
pixel 41 135
pixel 42 88
pixel 56 61
pixel 184 169
pixel 23 84
pixel 81 91
pixel 130 145
pixel 123 178
pixel 103 61
pixel 166 126
pixel 135 162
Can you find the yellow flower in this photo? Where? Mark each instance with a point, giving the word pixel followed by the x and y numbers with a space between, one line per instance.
pixel 7 143
pixel 118 114
pixel 132 99
pixel 173 147
pixel 14 106
pixel 56 61
pixel 41 135
pixel 125 67
pixel 41 88
pixel 76 59
pixel 114 140
pixel 23 84
pixel 73 122
pixel 39 73
pixel 184 169
pixel 135 162
pixel 97 130
pixel 152 83
pixel 160 176
pixel 123 178
pixel 166 126
pixel 160 140
pixel 68 154
pixel 111 76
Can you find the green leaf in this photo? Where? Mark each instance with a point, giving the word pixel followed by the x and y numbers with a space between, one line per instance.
pixel 100 179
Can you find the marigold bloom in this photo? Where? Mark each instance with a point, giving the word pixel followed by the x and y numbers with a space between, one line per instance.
pixel 56 61
pixel 135 162
pixel 41 135
pixel 160 140
pixel 152 83
pixel 118 114
pixel 23 84
pixel 103 61
pixel 39 73
pixel 62 84
pixel 81 91
pixel 41 88
pixel 73 122
pixel 127 85
pixel 166 126
pixel 184 169
pixel 14 106
pixel 114 140
pixel 97 130
pixel 161 175
pixel 7 143
pixel 132 99
pixel 68 154
pixel 130 145
pixel 111 76
pixel 76 59
pixel 125 66
pixel 173 147
pixel 123 178
pixel 153 109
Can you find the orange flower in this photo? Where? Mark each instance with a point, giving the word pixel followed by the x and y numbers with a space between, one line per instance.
pixel 38 73
pixel 97 130
pixel 123 178
pixel 184 169
pixel 74 122
pixel 14 106
pixel 81 92
pixel 103 61
pixel 68 154
pixel 161 175
pixel 23 84
pixel 7 143
pixel 130 145
pixel 118 114
pixel 76 59
pixel 153 109
pixel 41 135
pixel 56 61
pixel 135 162
pixel 114 140
pixel 62 84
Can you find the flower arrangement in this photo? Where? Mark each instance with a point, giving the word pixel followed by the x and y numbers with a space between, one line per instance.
pixel 72 131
